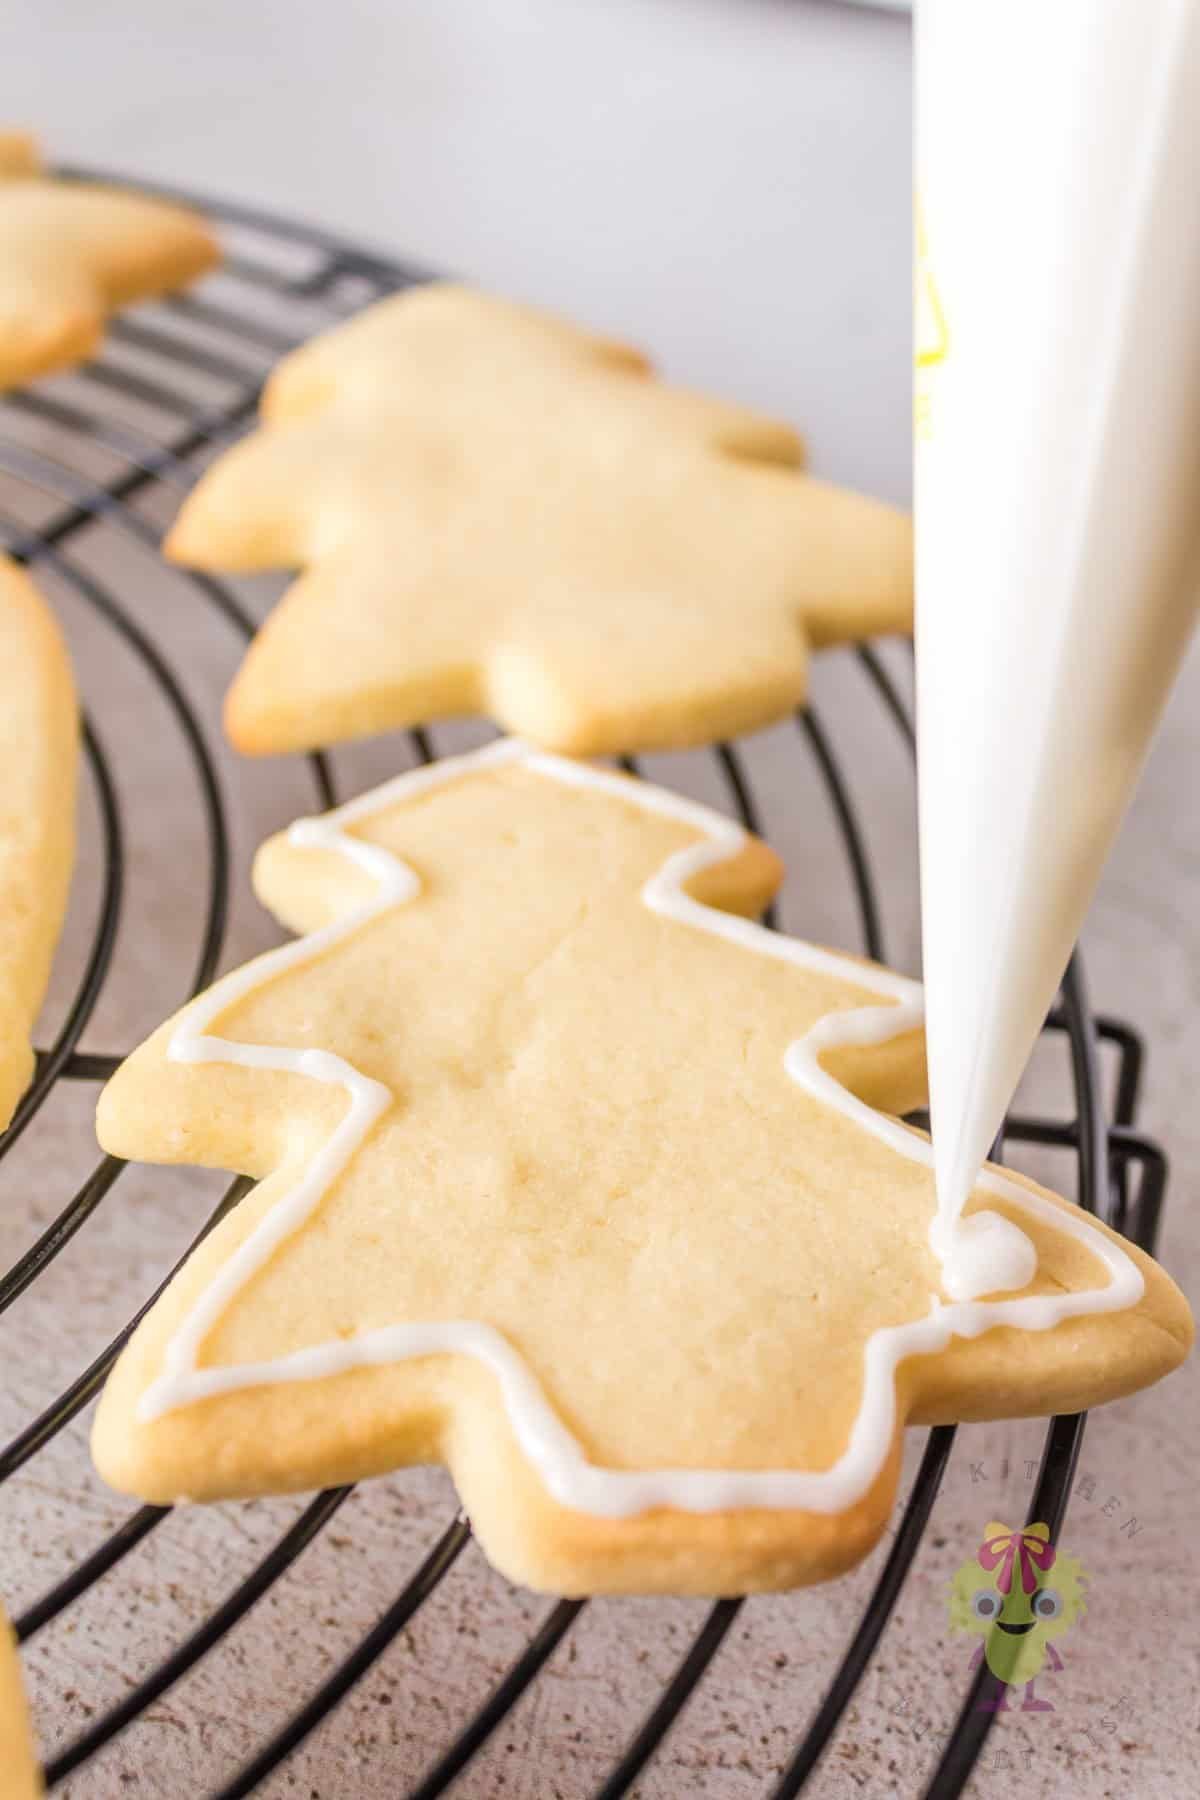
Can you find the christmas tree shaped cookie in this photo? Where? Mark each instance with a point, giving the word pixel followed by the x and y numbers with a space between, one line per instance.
pixel 569 1177
pixel 72 252
pixel 39 734
pixel 497 513
pixel 19 1779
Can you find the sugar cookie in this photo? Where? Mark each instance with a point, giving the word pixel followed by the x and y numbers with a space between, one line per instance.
pixel 571 1179
pixel 498 513
pixel 72 252
pixel 39 734
pixel 19 1778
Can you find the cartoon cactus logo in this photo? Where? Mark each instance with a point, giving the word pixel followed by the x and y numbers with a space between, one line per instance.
pixel 1018 1594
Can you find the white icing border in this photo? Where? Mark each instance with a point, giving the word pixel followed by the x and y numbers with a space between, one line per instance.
pixel 546 1443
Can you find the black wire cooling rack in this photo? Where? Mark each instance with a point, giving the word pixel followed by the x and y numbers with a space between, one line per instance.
pixel 275 270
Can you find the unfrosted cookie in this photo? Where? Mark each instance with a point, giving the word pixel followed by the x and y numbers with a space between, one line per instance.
pixel 18 153
pixel 39 753
pixel 19 1778
pixel 498 513
pixel 72 252
pixel 569 1179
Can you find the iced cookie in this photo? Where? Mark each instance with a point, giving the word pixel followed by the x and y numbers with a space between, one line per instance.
pixel 72 252
pixel 570 1177
pixel 19 1779
pixel 497 513
pixel 39 749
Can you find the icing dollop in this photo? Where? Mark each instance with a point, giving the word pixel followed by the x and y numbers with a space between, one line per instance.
pixel 982 1253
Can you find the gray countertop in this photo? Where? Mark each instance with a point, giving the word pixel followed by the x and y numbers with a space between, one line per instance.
pixel 727 183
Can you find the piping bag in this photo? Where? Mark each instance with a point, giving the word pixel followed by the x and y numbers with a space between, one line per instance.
pixel 1057 513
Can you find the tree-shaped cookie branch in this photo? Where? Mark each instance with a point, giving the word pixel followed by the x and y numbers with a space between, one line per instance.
pixel 73 252
pixel 566 1179
pixel 18 1763
pixel 497 513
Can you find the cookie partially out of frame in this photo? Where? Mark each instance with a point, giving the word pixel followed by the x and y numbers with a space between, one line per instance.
pixel 570 1178
pixel 72 252
pixel 498 513
pixel 39 753
pixel 19 1778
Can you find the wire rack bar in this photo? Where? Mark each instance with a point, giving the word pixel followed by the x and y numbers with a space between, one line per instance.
pixel 878 1611
pixel 500 1701
pixel 852 837
pixel 678 1692
pixel 148 362
pixel 416 1591
pixel 278 1560
pixel 86 1386
pixel 85 1574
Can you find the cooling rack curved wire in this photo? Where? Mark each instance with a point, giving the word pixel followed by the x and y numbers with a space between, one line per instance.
pixel 276 267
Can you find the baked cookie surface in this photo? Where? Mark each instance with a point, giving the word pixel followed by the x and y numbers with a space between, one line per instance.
pixel 39 752
pixel 73 252
pixel 19 1778
pixel 569 1177
pixel 498 513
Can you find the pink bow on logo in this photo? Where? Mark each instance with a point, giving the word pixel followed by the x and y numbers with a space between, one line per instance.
pixel 1003 1545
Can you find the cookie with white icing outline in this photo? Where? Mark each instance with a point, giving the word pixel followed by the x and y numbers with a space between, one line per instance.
pixel 72 252
pixel 39 753
pixel 19 1777
pixel 496 512
pixel 569 1177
